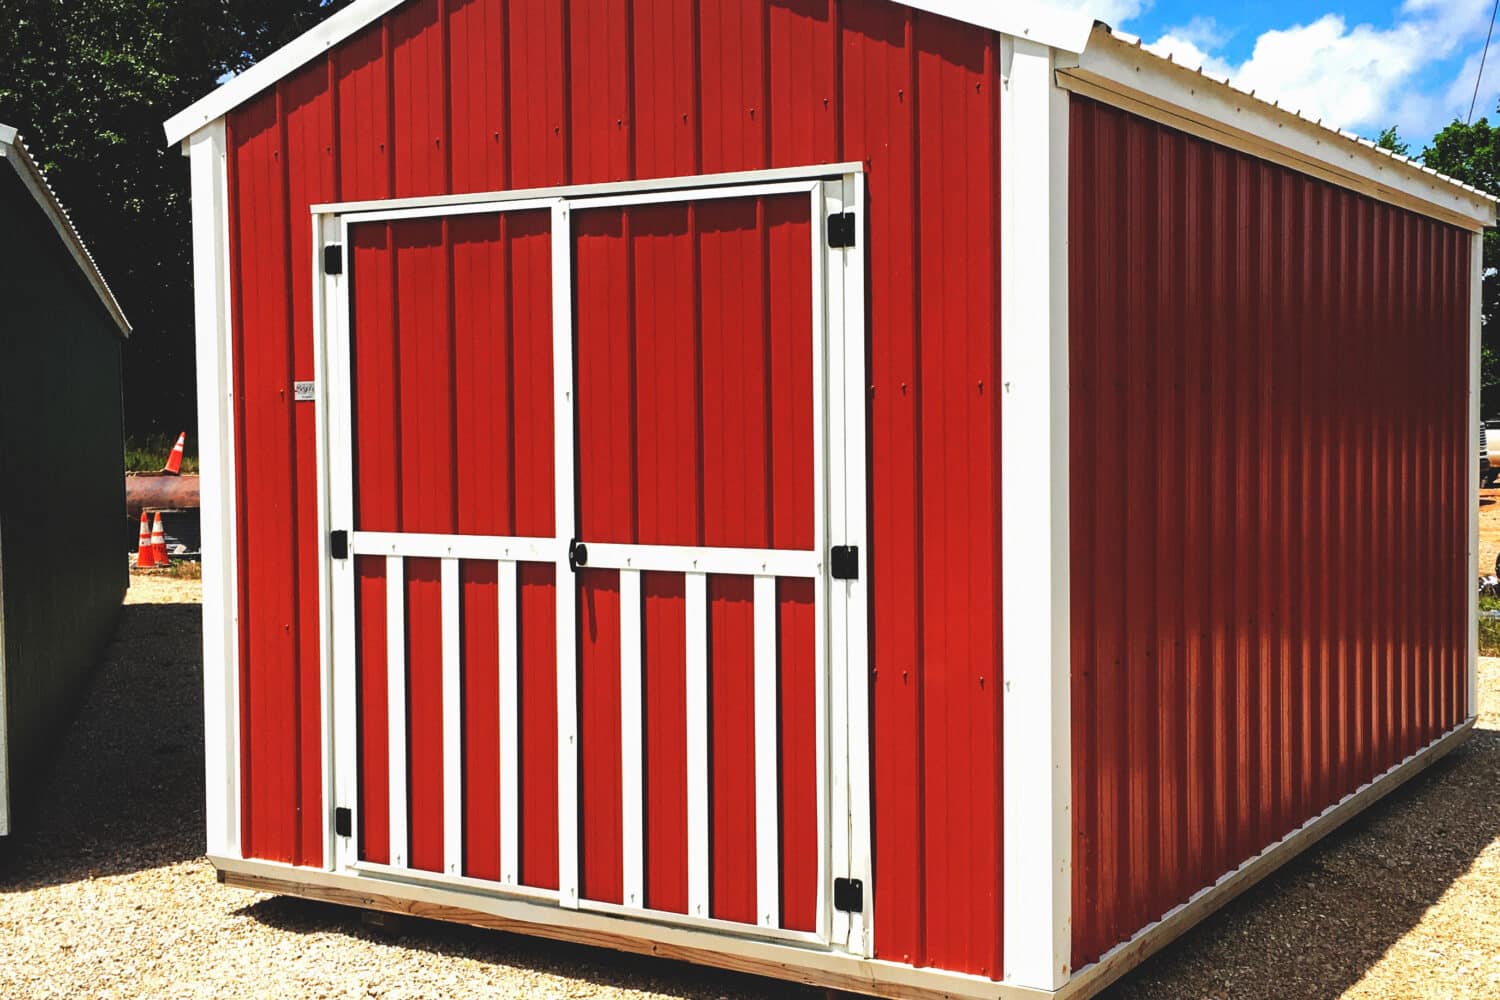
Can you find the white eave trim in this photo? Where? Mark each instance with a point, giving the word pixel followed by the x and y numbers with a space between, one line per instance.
pixel 1060 29
pixel 1119 71
pixel 14 151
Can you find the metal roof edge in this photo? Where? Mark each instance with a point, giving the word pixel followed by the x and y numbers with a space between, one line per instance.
pixel 1061 29
pixel 282 63
pixel 1364 149
pixel 14 150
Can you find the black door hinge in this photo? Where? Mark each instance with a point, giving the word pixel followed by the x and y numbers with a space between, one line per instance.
pixel 343 821
pixel 338 544
pixel 333 259
pixel 849 895
pixel 844 562
pixel 578 555
pixel 841 230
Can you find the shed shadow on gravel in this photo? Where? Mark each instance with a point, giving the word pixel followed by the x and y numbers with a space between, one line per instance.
pixel 598 966
pixel 1313 929
pixel 125 791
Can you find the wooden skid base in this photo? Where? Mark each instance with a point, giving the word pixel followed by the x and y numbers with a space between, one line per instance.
pixel 1179 920
pixel 367 896
pixel 812 967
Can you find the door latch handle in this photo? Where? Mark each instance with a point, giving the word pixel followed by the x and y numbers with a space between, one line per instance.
pixel 578 555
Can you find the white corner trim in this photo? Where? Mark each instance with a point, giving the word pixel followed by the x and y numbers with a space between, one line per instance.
pixel 1476 326
pixel 14 150
pixel 1035 588
pixel 4 712
pixel 1128 76
pixel 211 314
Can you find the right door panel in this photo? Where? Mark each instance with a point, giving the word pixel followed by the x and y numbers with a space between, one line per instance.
pixel 696 417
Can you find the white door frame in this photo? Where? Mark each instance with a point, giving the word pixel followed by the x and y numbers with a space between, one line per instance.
pixel 841 617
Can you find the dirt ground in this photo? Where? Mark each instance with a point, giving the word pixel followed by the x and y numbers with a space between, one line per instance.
pixel 1489 530
pixel 107 894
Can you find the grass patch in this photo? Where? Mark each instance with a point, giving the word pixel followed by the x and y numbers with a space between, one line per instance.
pixel 1489 628
pixel 148 453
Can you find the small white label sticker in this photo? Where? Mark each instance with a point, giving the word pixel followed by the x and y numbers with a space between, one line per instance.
pixel 304 392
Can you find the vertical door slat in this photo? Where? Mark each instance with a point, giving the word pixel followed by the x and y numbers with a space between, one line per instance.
pixel 395 645
pixel 632 778
pixel 767 772
pixel 510 729
pixel 696 592
pixel 453 747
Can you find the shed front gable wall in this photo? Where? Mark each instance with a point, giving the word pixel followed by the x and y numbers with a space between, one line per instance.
pixel 445 97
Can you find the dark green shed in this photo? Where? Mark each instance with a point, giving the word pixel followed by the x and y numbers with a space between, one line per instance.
pixel 63 571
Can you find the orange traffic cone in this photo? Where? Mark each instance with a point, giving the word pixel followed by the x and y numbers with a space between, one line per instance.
pixel 174 460
pixel 159 544
pixel 145 555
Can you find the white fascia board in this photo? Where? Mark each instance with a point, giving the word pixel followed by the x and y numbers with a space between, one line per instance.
pixel 1065 30
pixel 1038 22
pixel 13 150
pixel 1118 71
pixel 281 63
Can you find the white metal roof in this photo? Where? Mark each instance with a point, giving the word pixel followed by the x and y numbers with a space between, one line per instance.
pixel 1067 31
pixel 13 151
pixel 1367 147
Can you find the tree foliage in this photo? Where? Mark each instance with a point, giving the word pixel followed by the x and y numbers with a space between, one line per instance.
pixel 1391 139
pixel 88 84
pixel 1471 153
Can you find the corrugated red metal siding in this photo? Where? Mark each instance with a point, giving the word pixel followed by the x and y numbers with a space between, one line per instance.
pixel 1268 446
pixel 466 95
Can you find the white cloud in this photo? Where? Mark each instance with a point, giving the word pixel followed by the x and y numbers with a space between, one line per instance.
pixel 1202 31
pixel 1111 12
pixel 1358 76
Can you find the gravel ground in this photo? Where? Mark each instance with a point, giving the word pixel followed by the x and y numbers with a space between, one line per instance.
pixel 107 895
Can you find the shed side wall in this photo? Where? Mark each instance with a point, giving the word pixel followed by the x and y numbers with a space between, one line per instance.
pixel 62 483
pixel 451 96
pixel 1269 447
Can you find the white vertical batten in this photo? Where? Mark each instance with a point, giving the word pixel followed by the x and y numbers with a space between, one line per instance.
pixel 510 727
pixel 828 266
pixel 695 592
pixel 632 777
pixel 395 658
pixel 337 423
pixel 1476 285
pixel 1034 518
pixel 823 763
pixel 324 293
pixel 767 758
pixel 214 341
pixel 453 716
pixel 857 638
pixel 566 590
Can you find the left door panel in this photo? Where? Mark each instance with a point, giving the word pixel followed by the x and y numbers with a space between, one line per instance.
pixel 449 386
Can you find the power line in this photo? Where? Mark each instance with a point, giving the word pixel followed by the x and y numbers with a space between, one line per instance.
pixel 1482 56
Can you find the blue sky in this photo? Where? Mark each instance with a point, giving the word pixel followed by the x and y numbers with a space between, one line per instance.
pixel 1360 65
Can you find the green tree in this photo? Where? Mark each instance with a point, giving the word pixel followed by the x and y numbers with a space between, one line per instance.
pixel 88 84
pixel 1391 139
pixel 1471 153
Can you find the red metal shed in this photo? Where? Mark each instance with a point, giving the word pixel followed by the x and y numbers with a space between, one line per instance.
pixel 924 498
